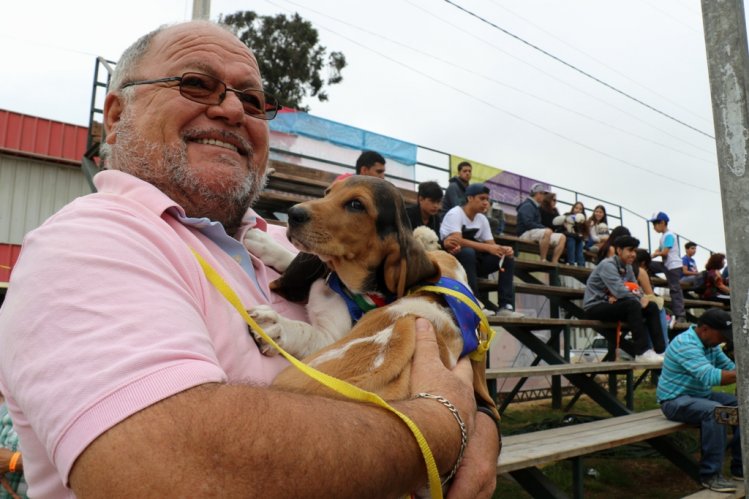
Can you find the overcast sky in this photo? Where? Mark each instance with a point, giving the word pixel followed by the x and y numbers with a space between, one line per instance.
pixel 427 72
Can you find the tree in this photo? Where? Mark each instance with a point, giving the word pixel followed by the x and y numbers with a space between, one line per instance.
pixel 289 55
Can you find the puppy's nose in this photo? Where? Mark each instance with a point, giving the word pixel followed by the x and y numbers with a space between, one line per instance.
pixel 297 216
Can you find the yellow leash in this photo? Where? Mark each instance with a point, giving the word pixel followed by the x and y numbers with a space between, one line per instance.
pixel 340 386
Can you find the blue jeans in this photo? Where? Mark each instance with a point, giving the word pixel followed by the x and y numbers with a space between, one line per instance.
pixel 697 410
pixel 479 263
pixel 575 246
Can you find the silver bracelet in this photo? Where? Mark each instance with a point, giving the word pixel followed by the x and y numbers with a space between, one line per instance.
pixel 461 424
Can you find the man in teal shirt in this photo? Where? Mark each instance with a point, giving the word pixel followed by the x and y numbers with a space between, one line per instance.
pixel 693 364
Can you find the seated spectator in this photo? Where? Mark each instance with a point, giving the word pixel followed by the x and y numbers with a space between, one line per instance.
pixel 466 234
pixel 690 277
pixel 598 228
pixel 370 163
pixel 694 363
pixel 576 232
pixel 608 298
pixel 455 195
pixel 724 275
pixel 606 249
pixel 715 288
pixel 530 227
pixel 427 206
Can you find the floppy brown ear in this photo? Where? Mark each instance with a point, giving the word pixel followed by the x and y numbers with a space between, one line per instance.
pixel 407 264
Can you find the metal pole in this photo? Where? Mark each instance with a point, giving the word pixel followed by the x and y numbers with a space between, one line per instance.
pixel 728 66
pixel 201 9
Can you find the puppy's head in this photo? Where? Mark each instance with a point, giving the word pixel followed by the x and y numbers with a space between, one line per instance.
pixel 360 229
pixel 427 237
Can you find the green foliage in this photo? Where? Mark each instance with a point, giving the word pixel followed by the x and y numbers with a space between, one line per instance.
pixel 289 55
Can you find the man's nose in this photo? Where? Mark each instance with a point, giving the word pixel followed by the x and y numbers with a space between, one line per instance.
pixel 230 109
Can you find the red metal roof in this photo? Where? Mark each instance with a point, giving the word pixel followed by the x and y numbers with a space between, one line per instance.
pixel 39 137
pixel 8 256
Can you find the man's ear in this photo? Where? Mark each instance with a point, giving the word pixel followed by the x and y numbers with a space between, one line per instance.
pixel 113 107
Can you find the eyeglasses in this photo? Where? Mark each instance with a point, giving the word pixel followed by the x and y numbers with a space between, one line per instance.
pixel 206 89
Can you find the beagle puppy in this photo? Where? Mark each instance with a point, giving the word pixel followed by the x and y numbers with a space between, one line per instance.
pixel 360 231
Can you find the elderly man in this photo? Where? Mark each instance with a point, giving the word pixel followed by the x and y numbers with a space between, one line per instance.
pixel 126 372
pixel 693 365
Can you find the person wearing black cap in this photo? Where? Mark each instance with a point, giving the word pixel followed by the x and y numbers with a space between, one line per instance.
pixel 612 294
pixel 465 233
pixel 693 364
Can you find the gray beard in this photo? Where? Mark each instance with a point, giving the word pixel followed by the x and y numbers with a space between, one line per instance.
pixel 225 202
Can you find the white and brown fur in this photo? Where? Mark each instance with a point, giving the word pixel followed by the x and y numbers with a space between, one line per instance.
pixel 361 232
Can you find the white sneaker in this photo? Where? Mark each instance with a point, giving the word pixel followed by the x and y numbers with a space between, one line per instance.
pixel 510 313
pixel 487 312
pixel 648 356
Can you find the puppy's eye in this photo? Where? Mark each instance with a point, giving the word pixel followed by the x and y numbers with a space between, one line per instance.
pixel 355 205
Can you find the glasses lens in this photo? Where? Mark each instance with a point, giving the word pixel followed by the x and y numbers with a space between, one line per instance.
pixel 201 88
pixel 259 104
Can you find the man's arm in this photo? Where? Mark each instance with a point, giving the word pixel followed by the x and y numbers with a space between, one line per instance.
pixel 244 440
pixel 727 377
pixel 488 246
pixel 613 282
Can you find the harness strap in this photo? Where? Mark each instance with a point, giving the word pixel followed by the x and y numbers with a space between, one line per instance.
pixel 484 329
pixel 340 386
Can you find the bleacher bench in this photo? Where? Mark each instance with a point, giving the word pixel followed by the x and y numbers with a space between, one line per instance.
pixel 545 446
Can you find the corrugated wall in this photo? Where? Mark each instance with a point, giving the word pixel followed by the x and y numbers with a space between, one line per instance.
pixel 31 191
pixel 41 137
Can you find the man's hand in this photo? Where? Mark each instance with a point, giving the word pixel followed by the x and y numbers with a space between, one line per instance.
pixel 451 244
pixel 428 374
pixel 5 455
pixel 477 475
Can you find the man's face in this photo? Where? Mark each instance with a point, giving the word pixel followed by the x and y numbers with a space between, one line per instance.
pixel 211 159
pixel 429 206
pixel 465 173
pixel 710 337
pixel 626 255
pixel 659 226
pixel 479 203
pixel 691 250
pixel 539 196
pixel 376 170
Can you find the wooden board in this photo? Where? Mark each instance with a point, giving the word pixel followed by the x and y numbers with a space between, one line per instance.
pixel 562 369
pixel 540 447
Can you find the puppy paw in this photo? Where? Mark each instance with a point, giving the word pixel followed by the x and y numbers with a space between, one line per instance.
pixel 270 252
pixel 270 322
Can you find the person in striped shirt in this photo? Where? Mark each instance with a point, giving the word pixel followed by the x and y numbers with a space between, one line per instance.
pixel 693 364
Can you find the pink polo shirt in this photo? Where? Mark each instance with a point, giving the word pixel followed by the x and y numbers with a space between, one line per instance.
pixel 108 312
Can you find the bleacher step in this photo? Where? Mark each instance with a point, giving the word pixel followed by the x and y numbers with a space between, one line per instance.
pixel 709 494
